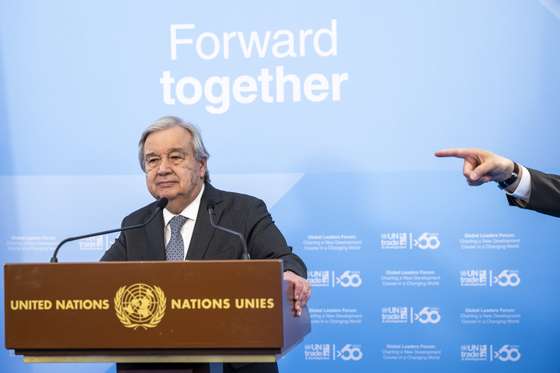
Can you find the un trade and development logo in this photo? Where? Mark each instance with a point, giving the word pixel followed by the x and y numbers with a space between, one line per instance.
pixel 325 351
pixel 427 241
pixel 506 353
pixel 140 305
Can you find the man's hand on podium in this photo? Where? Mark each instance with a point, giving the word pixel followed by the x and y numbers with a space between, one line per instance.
pixel 299 291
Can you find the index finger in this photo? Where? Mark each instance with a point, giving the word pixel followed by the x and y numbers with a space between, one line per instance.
pixel 455 152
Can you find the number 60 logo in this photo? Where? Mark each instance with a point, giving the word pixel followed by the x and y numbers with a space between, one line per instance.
pixel 350 352
pixel 427 241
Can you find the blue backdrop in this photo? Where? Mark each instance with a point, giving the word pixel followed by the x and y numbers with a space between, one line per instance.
pixel 330 112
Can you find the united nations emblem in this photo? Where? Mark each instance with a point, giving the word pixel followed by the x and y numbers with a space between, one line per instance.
pixel 140 305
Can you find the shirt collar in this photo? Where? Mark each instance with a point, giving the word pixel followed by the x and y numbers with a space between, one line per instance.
pixel 191 211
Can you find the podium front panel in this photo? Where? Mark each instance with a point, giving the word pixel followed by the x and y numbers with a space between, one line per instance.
pixel 144 305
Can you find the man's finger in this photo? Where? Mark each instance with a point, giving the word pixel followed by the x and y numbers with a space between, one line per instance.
pixel 297 310
pixel 485 179
pixel 483 172
pixel 468 168
pixel 455 152
pixel 475 183
pixel 298 290
pixel 306 295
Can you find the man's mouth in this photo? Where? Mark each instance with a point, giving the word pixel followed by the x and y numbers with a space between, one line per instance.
pixel 165 184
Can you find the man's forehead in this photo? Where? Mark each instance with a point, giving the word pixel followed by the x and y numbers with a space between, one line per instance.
pixel 170 139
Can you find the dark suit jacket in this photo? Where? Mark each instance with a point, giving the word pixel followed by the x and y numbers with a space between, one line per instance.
pixel 242 213
pixel 545 194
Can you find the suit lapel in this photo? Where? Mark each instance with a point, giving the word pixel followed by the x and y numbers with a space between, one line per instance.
pixel 203 231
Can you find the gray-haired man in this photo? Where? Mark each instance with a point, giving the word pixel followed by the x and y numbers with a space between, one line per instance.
pixel 175 160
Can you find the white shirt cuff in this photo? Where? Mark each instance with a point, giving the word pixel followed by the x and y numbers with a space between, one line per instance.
pixel 523 190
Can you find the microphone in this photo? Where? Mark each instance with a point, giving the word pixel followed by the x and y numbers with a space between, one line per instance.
pixel 211 204
pixel 159 206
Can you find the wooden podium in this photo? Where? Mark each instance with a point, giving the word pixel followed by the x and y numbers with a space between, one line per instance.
pixel 150 312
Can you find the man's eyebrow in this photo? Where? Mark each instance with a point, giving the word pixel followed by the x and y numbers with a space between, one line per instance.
pixel 182 150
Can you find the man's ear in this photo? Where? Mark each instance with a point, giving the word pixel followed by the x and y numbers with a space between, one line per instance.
pixel 202 168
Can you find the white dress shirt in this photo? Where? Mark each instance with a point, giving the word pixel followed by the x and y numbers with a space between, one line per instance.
pixel 523 190
pixel 190 212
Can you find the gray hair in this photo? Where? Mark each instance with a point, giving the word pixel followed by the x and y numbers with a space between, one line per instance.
pixel 163 123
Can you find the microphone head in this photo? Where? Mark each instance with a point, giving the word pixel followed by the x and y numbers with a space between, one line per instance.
pixel 162 202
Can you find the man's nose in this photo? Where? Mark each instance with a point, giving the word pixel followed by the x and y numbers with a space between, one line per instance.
pixel 163 167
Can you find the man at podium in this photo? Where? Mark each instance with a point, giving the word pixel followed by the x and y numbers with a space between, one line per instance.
pixel 175 161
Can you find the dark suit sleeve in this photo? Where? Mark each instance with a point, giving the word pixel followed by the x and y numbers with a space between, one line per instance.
pixel 265 241
pixel 545 194
pixel 117 251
